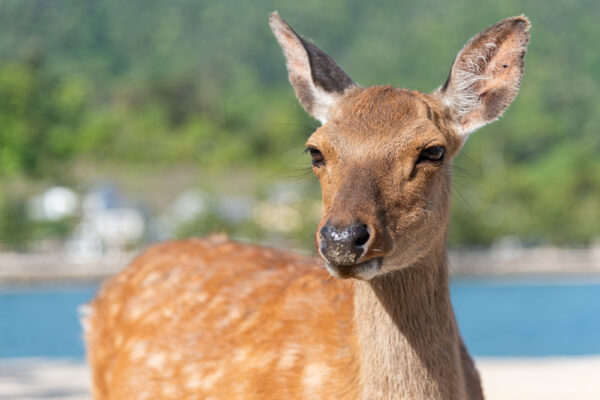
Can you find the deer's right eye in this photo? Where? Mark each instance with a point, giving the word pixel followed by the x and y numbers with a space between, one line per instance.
pixel 317 157
pixel 434 154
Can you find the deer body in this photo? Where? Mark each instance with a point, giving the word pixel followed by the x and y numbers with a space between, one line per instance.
pixel 213 319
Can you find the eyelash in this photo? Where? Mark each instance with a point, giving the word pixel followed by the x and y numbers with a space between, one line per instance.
pixel 317 157
pixel 432 154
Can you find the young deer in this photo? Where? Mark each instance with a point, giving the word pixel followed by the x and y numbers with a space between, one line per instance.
pixel 214 319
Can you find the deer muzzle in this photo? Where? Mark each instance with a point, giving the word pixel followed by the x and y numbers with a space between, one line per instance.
pixel 345 245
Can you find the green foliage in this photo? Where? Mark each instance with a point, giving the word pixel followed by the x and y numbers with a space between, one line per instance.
pixel 15 227
pixel 17 230
pixel 154 82
pixel 39 119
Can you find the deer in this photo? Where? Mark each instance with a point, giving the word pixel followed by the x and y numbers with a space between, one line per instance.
pixel 371 318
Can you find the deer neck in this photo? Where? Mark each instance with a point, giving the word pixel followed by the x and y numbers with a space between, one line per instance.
pixel 408 339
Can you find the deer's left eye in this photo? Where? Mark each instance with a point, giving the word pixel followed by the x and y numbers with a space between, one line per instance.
pixel 317 157
pixel 434 153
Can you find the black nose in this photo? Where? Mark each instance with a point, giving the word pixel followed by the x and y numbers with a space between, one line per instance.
pixel 343 246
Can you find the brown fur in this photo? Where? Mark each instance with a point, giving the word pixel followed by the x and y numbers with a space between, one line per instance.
pixel 149 335
pixel 213 319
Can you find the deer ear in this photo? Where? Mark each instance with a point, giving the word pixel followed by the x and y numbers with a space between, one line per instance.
pixel 486 73
pixel 317 80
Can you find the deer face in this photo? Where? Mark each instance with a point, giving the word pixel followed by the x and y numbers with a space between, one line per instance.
pixel 382 155
pixel 382 161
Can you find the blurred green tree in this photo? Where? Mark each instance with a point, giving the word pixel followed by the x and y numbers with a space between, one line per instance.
pixel 148 83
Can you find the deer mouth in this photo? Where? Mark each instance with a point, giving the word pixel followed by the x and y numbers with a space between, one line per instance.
pixel 365 270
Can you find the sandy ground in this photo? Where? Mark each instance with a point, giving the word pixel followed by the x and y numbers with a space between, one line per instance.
pixel 576 378
pixel 503 379
pixel 32 378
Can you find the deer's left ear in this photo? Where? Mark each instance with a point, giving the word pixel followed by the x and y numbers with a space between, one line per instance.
pixel 317 80
pixel 486 73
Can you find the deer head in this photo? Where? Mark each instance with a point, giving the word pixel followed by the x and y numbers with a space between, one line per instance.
pixel 382 155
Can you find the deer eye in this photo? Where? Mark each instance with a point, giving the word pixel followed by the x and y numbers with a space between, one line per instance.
pixel 317 157
pixel 434 153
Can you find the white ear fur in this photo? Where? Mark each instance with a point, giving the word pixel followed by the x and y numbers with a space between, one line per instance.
pixel 486 74
pixel 317 80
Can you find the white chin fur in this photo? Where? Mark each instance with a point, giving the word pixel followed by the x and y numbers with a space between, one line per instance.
pixel 366 270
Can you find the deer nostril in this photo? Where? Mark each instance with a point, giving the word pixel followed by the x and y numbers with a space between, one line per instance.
pixel 361 236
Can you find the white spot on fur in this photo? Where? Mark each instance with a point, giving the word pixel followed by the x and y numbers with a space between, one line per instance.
pixel 169 389
pixel 151 278
pixel 216 303
pixel 114 309
pixel 145 395
pixel 201 297
pixel 138 351
pixel 233 314
pixel 241 355
pixel 168 312
pixel 264 360
pixel 193 377
pixel 209 380
pixel 248 323
pixel 156 360
pixel 193 382
pixel 288 359
pixel 135 312
pixel 313 378
pixel 189 369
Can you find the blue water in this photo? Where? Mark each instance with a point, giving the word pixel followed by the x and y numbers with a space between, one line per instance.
pixel 509 317
pixel 41 320
pixel 529 316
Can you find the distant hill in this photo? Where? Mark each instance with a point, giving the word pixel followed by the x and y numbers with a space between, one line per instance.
pixel 141 82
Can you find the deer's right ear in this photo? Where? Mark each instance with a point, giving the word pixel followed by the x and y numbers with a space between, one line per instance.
pixel 317 80
pixel 486 73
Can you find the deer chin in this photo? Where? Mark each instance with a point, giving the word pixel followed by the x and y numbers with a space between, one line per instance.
pixel 365 270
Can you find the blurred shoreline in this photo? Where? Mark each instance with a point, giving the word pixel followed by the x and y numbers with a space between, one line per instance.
pixel 495 262
pixel 59 267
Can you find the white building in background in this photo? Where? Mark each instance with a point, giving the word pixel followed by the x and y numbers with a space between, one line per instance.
pixel 188 205
pixel 107 228
pixel 54 204
pixel 193 203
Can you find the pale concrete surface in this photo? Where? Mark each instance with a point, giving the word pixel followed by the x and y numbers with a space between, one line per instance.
pixel 37 378
pixel 576 378
pixel 503 379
